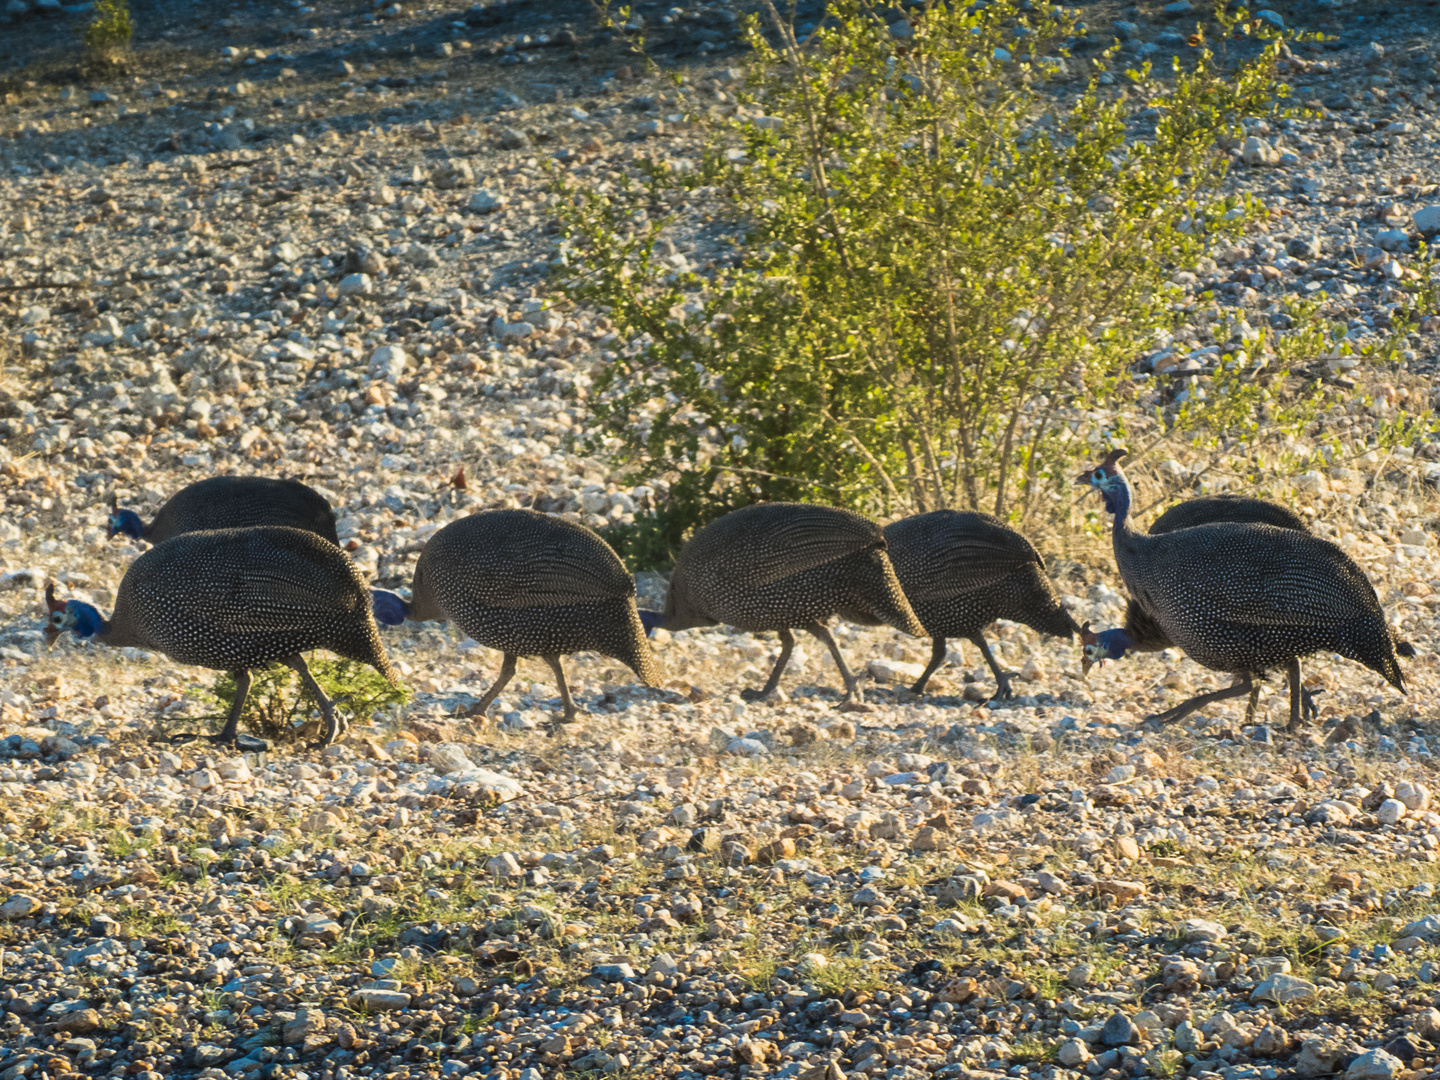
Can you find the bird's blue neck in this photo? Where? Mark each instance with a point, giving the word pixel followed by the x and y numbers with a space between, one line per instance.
pixel 1117 642
pixel 127 522
pixel 391 609
pixel 88 621
pixel 1117 500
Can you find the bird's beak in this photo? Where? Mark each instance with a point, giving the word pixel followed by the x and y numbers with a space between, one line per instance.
pixel 52 608
pixel 1084 477
pixel 1087 637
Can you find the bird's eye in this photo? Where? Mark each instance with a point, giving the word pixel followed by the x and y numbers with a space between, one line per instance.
pixel 1099 474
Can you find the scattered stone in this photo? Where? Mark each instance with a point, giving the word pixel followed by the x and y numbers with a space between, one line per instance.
pixel 1073 1054
pixel 1390 812
pixel 486 201
pixel 378 1000
pixel 1119 1030
pixel 1202 930
pixel 1374 1065
pixel 20 906
pixel 387 363
pixel 895 671
pixel 1284 989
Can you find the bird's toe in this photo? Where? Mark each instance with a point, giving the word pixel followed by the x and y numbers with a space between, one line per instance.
pixel 247 744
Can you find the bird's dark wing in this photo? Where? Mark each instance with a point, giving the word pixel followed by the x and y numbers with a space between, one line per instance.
pixel 767 543
pixel 558 572
pixel 946 553
pixel 973 563
pixel 1217 508
pixel 1261 575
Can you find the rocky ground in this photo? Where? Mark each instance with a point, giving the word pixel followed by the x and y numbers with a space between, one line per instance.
pixel 316 240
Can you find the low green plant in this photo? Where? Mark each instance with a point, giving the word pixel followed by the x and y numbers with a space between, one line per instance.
pixel 1423 293
pixel 276 712
pixel 1034 1049
pixel 1167 1063
pixel 857 973
pixel 107 37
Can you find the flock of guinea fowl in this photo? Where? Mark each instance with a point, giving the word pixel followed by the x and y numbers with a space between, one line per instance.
pixel 248 571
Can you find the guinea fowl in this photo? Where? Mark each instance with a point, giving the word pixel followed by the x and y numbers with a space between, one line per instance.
pixel 1145 634
pixel 1241 597
pixel 786 566
pixel 231 502
pixel 961 571
pixel 235 600
pixel 527 584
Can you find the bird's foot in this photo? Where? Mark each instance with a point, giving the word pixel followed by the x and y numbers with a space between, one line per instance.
pixel 246 744
pixel 1156 721
pixel 919 687
pixel 332 735
pixel 850 705
pixel 1308 708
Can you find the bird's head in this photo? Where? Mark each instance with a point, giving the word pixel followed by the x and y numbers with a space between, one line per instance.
pixel 81 619
pixel 1106 478
pixel 123 521
pixel 1106 645
pixel 390 608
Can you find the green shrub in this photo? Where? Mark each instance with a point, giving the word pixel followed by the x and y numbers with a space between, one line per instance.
pixel 950 261
pixel 108 34
pixel 275 711
pixel 653 541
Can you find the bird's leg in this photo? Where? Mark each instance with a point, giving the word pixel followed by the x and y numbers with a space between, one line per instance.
pixel 507 672
pixel 1308 708
pixel 853 694
pixel 327 707
pixel 1242 685
pixel 1297 707
pixel 1252 703
pixel 937 657
pixel 1002 678
pixel 229 733
pixel 787 646
pixel 565 699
